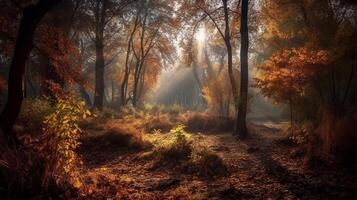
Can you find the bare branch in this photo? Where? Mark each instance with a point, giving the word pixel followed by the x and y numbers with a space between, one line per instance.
pixel 212 19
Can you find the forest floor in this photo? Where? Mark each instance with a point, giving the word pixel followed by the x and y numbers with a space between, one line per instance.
pixel 261 167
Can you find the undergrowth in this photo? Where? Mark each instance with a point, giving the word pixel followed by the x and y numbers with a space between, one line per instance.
pixel 44 164
pixel 176 149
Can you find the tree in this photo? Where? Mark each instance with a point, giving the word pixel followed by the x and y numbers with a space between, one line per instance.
pixel 152 44
pixel 103 13
pixel 124 84
pixel 287 74
pixel 298 36
pixel 31 17
pixel 241 127
pixel 100 15
pixel 226 36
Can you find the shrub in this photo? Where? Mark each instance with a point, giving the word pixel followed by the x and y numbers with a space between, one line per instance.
pixel 61 133
pixel 120 136
pixel 207 164
pixel 21 172
pixel 46 163
pixel 176 147
pixel 151 109
pixel 33 113
pixel 300 133
pixel 171 109
pixel 160 122
pixel 204 122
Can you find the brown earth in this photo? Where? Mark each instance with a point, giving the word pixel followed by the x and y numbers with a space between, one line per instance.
pixel 264 166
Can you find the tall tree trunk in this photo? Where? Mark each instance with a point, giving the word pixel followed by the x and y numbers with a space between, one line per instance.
pixel 85 95
pixel 123 87
pixel 141 84
pixel 124 84
pixel 291 115
pixel 227 40
pixel 25 84
pixel 99 76
pixel 241 126
pixel 99 47
pixel 113 92
pixel 32 15
pixel 137 76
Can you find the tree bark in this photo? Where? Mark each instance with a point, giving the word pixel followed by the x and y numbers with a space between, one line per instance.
pixel 227 40
pixel 141 58
pixel 85 95
pixel 136 81
pixel 32 15
pixel 99 47
pixel 124 84
pixel 291 115
pixel 241 127
pixel 99 76
pixel 113 92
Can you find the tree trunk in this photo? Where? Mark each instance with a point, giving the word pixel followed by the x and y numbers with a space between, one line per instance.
pixel 85 95
pixel 241 127
pixel 113 92
pixel 99 76
pixel 136 88
pixel 99 47
pixel 32 15
pixel 291 115
pixel 141 84
pixel 136 82
pixel 231 75
pixel 227 40
pixel 25 84
pixel 124 84
pixel 122 89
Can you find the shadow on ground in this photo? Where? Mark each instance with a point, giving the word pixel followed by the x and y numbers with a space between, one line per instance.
pixel 302 186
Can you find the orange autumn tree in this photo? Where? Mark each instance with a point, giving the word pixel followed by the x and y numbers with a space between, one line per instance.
pixel 286 75
pixel 63 56
pixel 324 98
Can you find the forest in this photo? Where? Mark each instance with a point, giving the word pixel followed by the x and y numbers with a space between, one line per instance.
pixel 178 99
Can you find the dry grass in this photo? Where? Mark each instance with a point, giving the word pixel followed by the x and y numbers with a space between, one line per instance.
pixel 201 122
pixel 118 136
pixel 22 173
pixel 159 122
pixel 177 150
pixel 207 164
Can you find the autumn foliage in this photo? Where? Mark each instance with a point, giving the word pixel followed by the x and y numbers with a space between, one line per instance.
pixel 289 73
pixel 138 99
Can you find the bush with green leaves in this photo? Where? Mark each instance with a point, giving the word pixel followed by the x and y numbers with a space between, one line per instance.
pixel 62 133
pixel 177 146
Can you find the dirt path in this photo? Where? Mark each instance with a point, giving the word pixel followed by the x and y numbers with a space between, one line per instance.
pixel 260 168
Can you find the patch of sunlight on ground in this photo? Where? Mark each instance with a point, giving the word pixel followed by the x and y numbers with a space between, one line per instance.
pixel 281 125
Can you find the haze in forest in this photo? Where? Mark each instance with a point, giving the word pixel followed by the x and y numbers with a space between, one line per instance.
pixel 178 99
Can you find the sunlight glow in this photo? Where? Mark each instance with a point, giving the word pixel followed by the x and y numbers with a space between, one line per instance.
pixel 200 37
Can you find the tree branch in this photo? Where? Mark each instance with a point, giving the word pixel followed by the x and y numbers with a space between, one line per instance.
pixel 212 19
